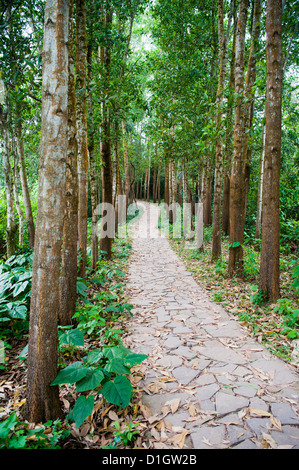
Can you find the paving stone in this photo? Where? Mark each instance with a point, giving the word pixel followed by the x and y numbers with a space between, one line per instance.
pixel 207 391
pixel 289 435
pixel 231 418
pixel 246 391
pixel 226 403
pixel 157 401
pixel 237 434
pixel 258 404
pixel 221 353
pixel 184 351
pixel 208 437
pixel 205 379
pixel 285 413
pixel 207 405
pixel 259 425
pixel 247 444
pixel 184 375
pixel 172 343
pixel 170 361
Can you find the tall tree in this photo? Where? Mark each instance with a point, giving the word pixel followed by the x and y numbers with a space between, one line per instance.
pixel 223 39
pixel 82 147
pixel 107 220
pixel 269 268
pixel 43 399
pixel 11 226
pixel 68 277
pixel 237 174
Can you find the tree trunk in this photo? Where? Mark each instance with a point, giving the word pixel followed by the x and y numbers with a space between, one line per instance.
pixel 207 193
pixel 269 266
pixel 11 227
pixel 42 400
pixel 238 167
pixel 126 164
pixel 229 136
pixel 17 201
pixel 68 277
pixel 258 225
pixel 216 241
pixel 107 229
pixel 155 183
pixel 249 98
pixel 92 163
pixel 166 184
pixel 159 184
pixel 24 183
pixel 81 61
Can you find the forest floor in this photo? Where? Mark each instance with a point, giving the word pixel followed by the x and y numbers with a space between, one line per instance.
pixel 207 382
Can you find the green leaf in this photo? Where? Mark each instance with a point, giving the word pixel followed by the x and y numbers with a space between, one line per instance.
pixel 74 336
pixel 20 287
pixel 95 356
pixel 91 381
pixel 82 409
pixel 118 391
pixel 71 374
pixel 133 359
pixel 117 366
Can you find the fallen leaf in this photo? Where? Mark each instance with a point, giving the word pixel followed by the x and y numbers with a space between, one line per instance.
pixel 259 412
pixel 267 439
pixel 276 422
pixel 179 439
pixel 112 415
pixel 174 404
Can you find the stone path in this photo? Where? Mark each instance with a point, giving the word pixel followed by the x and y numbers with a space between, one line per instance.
pixel 206 383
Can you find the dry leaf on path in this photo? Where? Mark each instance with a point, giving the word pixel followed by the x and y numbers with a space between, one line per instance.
pixel 179 439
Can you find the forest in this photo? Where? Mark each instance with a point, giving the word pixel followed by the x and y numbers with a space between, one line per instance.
pixel 181 104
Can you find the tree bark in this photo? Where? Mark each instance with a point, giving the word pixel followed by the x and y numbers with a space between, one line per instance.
pixel 42 400
pixel 269 282
pixel 106 241
pixel 11 227
pixel 229 135
pixel 81 69
pixel 91 152
pixel 68 277
pixel 17 201
pixel 24 184
pixel 216 241
pixel 237 175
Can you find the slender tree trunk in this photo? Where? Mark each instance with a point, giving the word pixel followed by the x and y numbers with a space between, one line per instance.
pixel 155 183
pixel 249 98
pixel 159 183
pixel 24 183
pixel 216 241
pixel 42 398
pixel 68 277
pixel 126 164
pixel 107 222
pixel 17 201
pixel 91 152
pixel 269 268
pixel 11 227
pixel 229 135
pixel 81 64
pixel 166 184
pixel 207 193
pixel 258 225
pixel 238 167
